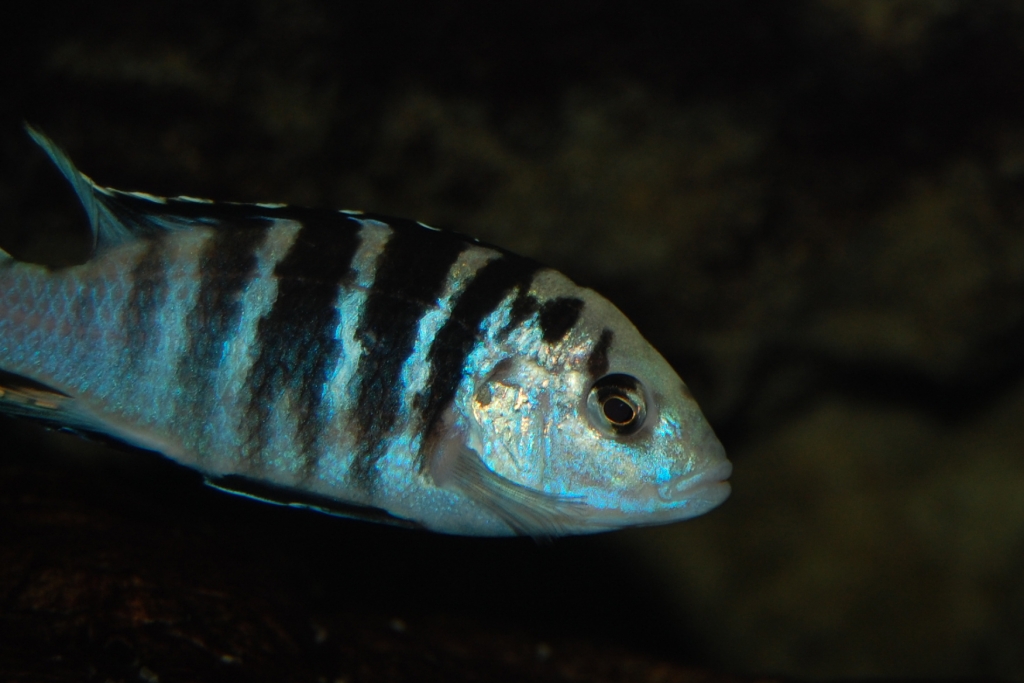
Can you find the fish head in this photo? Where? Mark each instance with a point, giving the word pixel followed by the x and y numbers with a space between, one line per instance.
pixel 589 432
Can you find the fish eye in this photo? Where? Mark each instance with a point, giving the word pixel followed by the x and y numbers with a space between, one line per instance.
pixel 616 405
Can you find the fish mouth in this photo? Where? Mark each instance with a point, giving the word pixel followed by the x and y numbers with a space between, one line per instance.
pixel 709 483
pixel 680 498
pixel 691 494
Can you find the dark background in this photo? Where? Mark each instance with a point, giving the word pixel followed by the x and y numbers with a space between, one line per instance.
pixel 813 209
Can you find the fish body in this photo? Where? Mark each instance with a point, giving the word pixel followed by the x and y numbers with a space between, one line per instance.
pixel 372 362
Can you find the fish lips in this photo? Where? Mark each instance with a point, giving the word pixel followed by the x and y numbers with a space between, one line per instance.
pixel 695 493
pixel 710 486
pixel 680 498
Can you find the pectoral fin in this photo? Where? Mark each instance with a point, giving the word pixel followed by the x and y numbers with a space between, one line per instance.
pixel 527 511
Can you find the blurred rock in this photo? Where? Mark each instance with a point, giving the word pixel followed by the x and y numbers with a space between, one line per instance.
pixel 104 580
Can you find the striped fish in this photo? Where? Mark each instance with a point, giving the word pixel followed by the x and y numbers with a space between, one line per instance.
pixel 356 363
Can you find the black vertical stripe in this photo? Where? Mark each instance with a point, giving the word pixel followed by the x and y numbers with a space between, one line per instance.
pixel 411 276
pixel 295 340
pixel 597 362
pixel 148 293
pixel 456 339
pixel 558 316
pixel 523 306
pixel 227 265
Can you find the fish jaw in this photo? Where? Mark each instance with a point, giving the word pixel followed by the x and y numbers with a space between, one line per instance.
pixel 698 488
pixel 680 499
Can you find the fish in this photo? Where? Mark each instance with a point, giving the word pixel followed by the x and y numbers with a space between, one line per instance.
pixel 354 363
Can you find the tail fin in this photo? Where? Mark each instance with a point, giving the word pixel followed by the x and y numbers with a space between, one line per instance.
pixel 107 230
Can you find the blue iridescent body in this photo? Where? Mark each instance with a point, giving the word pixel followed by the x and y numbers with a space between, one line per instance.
pixel 371 361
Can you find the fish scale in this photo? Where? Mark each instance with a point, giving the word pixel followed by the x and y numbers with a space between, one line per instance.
pixel 360 364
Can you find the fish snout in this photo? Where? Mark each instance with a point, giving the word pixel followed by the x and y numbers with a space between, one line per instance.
pixel 706 483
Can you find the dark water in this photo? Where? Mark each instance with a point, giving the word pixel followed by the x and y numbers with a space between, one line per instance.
pixel 814 209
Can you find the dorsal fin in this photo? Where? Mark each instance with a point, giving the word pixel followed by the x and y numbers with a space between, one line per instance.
pixel 107 230
pixel 114 220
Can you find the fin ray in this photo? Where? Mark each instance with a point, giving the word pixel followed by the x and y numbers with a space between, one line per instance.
pixel 264 492
pixel 117 217
pixel 107 230
pixel 527 511
pixel 26 398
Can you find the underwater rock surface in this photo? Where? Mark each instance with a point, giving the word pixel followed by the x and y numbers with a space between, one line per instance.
pixel 96 588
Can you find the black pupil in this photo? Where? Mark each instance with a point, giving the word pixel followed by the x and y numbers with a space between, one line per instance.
pixel 618 411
